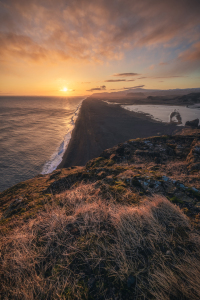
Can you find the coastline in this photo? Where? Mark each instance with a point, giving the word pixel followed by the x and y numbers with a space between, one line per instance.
pixel 57 156
pixel 100 126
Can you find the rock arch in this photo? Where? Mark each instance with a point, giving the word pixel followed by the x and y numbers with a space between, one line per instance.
pixel 175 115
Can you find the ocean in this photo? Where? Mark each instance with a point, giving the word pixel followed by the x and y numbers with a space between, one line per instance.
pixel 34 134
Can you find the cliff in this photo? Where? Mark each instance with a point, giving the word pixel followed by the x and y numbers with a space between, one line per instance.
pixel 125 226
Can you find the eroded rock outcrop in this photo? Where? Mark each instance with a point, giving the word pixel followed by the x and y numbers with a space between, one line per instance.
pixel 193 123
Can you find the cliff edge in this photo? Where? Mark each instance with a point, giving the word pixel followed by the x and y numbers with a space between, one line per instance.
pixel 125 226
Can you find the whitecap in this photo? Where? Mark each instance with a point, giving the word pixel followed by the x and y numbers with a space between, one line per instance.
pixel 56 158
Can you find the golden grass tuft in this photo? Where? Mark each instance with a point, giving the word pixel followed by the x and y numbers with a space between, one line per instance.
pixel 83 247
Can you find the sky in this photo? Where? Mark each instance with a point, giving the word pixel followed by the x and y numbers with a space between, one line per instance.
pixel 79 47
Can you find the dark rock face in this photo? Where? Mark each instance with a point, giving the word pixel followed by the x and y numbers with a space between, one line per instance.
pixel 193 123
pixel 193 157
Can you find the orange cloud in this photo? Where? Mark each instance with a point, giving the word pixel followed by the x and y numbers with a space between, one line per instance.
pixel 126 74
pixel 42 40
pixel 134 87
pixel 92 30
pixel 163 64
pixel 114 80
pixel 118 80
pixel 21 46
pixel 103 87
pixel 193 54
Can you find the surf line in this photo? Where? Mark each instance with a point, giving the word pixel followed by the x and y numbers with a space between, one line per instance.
pixel 57 156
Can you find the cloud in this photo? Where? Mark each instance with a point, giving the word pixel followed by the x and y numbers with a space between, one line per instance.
pixel 186 62
pixel 134 87
pixel 138 86
pixel 94 31
pixel 118 80
pixel 151 67
pixel 193 54
pixel 126 74
pixel 163 77
pixel 115 80
pixel 21 46
pixel 94 89
pixel 163 64
pixel 169 77
pixel 103 87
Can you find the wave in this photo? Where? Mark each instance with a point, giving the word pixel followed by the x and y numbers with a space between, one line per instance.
pixel 56 158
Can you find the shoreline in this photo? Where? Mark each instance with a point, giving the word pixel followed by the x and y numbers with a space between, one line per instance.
pixel 57 156
pixel 100 126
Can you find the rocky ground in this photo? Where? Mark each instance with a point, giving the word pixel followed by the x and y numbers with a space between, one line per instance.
pixel 130 172
pixel 125 226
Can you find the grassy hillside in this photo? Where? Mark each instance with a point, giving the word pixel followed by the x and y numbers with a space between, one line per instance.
pixel 126 226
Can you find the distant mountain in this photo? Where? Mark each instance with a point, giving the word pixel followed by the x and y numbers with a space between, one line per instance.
pixel 147 92
pixel 136 95
pixel 190 98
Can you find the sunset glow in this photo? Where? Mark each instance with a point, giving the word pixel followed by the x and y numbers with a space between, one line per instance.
pixel 45 45
pixel 64 89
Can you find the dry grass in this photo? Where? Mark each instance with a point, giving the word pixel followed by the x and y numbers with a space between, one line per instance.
pixel 82 247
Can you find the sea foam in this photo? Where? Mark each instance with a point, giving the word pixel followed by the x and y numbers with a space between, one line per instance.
pixel 56 158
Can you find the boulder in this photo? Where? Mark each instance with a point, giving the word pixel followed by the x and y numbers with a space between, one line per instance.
pixel 193 123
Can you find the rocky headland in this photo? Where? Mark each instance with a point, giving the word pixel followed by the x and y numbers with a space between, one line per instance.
pixel 125 226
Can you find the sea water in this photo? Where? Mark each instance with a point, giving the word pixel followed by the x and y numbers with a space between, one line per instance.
pixel 34 134
pixel 167 113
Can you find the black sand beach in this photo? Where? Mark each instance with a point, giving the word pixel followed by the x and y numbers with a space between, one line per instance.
pixel 100 126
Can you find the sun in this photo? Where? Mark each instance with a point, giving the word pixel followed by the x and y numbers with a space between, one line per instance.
pixel 64 89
